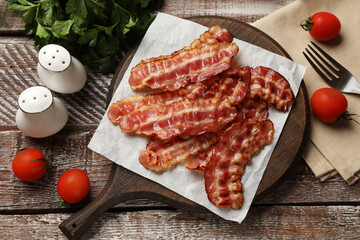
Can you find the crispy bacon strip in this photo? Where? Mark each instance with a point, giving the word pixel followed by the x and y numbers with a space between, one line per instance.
pixel 234 87
pixel 169 73
pixel 268 85
pixel 186 117
pixel 198 161
pixel 161 155
pixel 243 73
pixel 221 34
pixel 127 105
pixel 229 158
pixel 254 110
pixel 215 34
pixel 248 109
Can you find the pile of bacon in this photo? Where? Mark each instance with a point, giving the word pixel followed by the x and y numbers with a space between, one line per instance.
pixel 208 114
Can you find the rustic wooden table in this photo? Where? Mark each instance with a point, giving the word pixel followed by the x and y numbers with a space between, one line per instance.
pixel 301 207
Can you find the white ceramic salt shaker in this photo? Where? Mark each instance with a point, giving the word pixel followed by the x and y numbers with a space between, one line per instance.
pixel 40 114
pixel 60 71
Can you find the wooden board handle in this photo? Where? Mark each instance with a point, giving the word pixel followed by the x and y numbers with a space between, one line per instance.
pixel 123 185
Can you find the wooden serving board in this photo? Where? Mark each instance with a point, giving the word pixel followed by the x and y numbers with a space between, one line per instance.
pixel 124 184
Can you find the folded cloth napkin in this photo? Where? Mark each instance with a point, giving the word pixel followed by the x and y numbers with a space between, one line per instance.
pixel 332 147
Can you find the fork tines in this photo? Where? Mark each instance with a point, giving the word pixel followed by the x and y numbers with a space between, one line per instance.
pixel 327 71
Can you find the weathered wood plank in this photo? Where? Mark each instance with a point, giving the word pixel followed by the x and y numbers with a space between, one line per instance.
pixel 300 186
pixel 70 151
pixel 10 22
pixel 18 64
pixel 285 222
pixel 246 10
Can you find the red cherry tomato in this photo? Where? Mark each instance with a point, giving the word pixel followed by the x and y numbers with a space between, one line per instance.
pixel 322 26
pixel 29 165
pixel 328 104
pixel 73 185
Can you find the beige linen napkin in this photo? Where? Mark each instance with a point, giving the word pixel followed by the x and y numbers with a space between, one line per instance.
pixel 331 147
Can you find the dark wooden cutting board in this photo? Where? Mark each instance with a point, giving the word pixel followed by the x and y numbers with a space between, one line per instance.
pixel 124 184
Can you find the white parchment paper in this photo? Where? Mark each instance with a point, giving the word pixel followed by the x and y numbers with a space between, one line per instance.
pixel 166 35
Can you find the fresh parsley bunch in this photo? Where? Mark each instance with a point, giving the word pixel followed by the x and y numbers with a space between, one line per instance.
pixel 94 31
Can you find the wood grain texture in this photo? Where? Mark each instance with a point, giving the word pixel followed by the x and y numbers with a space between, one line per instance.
pixel 69 150
pixel 244 10
pixel 10 22
pixel 18 71
pixel 300 187
pixel 286 222
pixel 300 208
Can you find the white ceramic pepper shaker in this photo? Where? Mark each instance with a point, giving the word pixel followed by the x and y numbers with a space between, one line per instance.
pixel 40 114
pixel 60 71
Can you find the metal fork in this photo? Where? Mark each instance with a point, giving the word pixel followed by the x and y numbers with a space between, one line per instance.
pixel 335 75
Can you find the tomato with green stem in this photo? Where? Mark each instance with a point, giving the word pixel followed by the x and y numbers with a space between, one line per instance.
pixel 73 185
pixel 29 165
pixel 322 26
pixel 329 104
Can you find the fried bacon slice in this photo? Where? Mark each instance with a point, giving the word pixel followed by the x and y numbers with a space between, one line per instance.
pixel 215 34
pixel 187 117
pixel 198 161
pixel 161 155
pixel 229 158
pixel 243 73
pixel 127 105
pixel 189 65
pixel 269 86
pixel 234 87
pixel 248 109
pixel 220 34
pixel 255 110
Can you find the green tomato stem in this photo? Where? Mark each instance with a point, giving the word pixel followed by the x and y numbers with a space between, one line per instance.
pixel 348 116
pixel 48 156
pixel 63 203
pixel 306 24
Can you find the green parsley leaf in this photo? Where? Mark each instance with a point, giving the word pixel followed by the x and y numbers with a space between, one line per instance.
pixel 62 28
pixel 42 32
pixel 77 11
pixel 97 32
pixel 28 11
